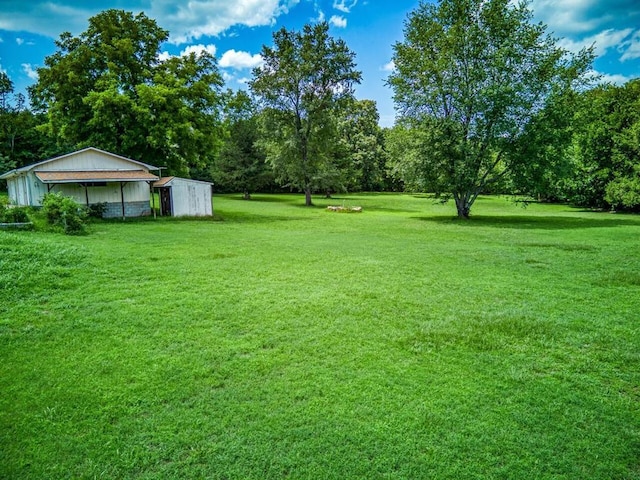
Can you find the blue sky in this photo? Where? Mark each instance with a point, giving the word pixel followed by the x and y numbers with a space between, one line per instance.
pixel 235 30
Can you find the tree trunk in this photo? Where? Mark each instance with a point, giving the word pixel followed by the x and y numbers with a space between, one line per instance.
pixel 307 196
pixel 463 205
pixel 246 195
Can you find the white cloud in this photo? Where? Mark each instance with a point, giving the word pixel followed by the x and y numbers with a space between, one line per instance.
pixel 239 60
pixel 164 56
pixel 198 50
pixel 626 42
pixel 343 5
pixel 602 41
pixel 567 16
pixel 616 79
pixel 28 69
pixel 227 77
pixel 338 21
pixel 631 48
pixel 46 17
pixel 609 38
pixel 582 17
pixel 388 67
pixel 188 21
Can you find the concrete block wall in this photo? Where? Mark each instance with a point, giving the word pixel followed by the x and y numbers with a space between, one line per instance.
pixel 131 209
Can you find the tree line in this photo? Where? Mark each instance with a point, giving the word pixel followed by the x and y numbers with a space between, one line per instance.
pixel 486 103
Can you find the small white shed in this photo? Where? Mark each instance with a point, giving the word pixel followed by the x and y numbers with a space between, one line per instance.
pixel 182 197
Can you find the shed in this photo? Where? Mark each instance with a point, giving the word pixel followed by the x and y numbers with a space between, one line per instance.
pixel 90 176
pixel 184 197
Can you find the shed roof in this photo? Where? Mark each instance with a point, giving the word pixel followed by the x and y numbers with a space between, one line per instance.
pixel 167 181
pixel 163 182
pixel 17 171
pixel 94 176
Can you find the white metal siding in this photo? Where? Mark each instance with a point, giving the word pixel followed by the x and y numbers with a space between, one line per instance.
pixel 190 198
pixel 90 160
pixel 19 190
pixel 26 199
pixel 26 189
pixel 12 188
pixel 38 189
pixel 133 192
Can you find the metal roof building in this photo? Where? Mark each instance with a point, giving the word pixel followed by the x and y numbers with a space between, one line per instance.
pixel 90 176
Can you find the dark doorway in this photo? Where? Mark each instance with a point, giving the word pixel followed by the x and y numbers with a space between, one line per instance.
pixel 165 201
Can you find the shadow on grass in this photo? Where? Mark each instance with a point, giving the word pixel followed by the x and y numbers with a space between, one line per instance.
pixel 265 198
pixel 156 219
pixel 549 222
pixel 364 200
pixel 244 217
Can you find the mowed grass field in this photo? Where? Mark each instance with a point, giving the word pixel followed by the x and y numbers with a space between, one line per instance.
pixel 278 341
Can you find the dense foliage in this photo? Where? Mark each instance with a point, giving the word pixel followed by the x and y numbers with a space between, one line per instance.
pixel 240 164
pixel 22 141
pixel 363 147
pixel 606 148
pixel 108 88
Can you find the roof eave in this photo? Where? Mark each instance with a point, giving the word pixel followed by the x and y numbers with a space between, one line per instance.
pixel 9 174
pixel 105 180
pixel 43 162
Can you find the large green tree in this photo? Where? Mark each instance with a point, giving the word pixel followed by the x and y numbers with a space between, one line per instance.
pixel 109 88
pixel 470 78
pixel 304 81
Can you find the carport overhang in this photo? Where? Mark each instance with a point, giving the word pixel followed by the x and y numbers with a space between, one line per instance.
pixel 86 177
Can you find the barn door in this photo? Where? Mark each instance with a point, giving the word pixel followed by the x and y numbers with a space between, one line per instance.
pixel 165 201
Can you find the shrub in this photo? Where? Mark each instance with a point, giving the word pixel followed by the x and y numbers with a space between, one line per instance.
pixel 624 193
pixel 96 210
pixel 15 215
pixel 10 214
pixel 64 212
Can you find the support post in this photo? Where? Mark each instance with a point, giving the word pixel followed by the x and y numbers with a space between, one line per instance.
pixel 122 198
pixel 153 200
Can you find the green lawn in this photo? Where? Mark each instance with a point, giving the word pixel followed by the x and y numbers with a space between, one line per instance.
pixel 278 341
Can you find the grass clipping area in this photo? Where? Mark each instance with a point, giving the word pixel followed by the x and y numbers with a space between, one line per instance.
pixel 282 342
